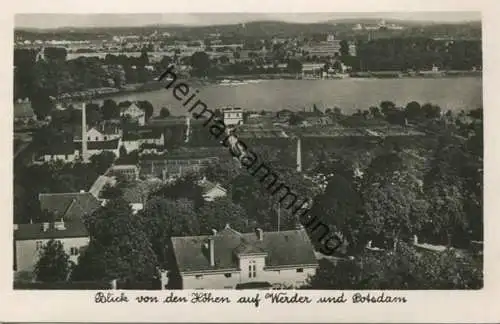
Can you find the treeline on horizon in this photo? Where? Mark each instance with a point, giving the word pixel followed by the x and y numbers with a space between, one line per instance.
pixel 341 28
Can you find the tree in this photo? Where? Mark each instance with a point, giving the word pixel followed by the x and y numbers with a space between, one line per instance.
pixel 101 162
pixel 294 66
pixel 404 269
pixel 119 246
pixel 55 54
pixel 165 218
pixel 340 208
pixel 164 112
pixel 375 112
pixel 93 114
pixel 431 111
pixel 186 187
pixel 393 204
pixel 344 48
pixel 413 110
pixel 386 106
pixel 110 110
pixel 295 119
pixel 41 103
pixel 445 189
pixel 147 107
pixel 200 62
pixel 53 264
pixel 216 214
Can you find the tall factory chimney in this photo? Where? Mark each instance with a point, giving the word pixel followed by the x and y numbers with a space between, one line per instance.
pixel 84 134
pixel 299 155
pixel 188 128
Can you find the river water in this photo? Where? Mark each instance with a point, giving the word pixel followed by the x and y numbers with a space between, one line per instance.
pixel 350 94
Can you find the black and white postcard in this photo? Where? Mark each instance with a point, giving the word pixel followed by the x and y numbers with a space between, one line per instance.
pixel 199 165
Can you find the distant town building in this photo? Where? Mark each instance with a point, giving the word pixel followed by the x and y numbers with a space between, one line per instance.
pixel 229 259
pixel 330 47
pixel 233 116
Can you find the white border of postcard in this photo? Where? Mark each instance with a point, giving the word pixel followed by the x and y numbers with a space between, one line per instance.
pixel 421 306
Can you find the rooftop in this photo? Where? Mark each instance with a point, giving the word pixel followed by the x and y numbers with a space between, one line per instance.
pixel 69 206
pixel 36 231
pixel 283 249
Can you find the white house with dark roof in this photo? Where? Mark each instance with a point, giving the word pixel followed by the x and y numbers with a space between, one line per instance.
pixel 211 190
pixel 69 210
pixel 64 152
pixel 232 260
pixel 97 147
pixel 135 113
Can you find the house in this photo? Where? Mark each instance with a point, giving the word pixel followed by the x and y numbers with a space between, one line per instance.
pixel 147 141
pixel 97 147
pixel 211 190
pixel 127 172
pixel 65 152
pixel 30 239
pixel 69 211
pixel 104 132
pixel 233 116
pixel 23 111
pixel 317 120
pixel 135 113
pixel 229 259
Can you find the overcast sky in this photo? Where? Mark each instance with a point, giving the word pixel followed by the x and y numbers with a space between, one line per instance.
pixel 114 20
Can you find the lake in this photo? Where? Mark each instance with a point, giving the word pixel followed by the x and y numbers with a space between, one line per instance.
pixel 350 94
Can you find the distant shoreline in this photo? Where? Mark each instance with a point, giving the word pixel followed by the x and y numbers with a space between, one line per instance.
pixel 234 80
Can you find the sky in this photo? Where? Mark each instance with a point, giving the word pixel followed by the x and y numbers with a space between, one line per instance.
pixel 201 19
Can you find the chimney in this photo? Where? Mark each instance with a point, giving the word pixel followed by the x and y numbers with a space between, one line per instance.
pixel 45 226
pixel 415 239
pixel 260 234
pixel 211 251
pixel 59 225
pixel 369 245
pixel 84 134
pixel 16 227
pixel 299 155
pixel 214 231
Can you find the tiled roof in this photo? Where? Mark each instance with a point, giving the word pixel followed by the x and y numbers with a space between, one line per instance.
pixel 207 186
pixel 36 232
pixel 69 206
pixel 102 145
pixel 59 149
pixel 285 248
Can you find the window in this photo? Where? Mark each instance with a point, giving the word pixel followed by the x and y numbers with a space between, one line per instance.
pixel 199 276
pixel 74 251
pixel 300 270
pixel 97 138
pixel 65 156
pixel 105 137
pixel 88 138
pixel 39 245
pixel 227 275
pixel 252 269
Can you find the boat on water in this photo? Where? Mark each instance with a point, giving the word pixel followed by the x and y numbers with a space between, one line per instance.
pixel 340 76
